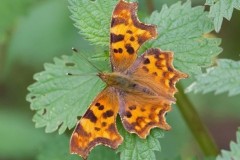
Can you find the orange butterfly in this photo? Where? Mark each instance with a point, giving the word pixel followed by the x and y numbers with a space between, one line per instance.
pixel 141 89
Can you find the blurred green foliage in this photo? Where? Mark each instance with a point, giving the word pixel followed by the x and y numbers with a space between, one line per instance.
pixel 33 32
pixel 19 138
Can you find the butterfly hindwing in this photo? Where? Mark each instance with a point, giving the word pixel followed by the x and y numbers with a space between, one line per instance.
pixel 140 116
pixel 127 35
pixel 154 71
pixel 98 125
pixel 157 69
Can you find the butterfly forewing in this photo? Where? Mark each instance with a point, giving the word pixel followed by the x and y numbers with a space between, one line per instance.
pixel 98 125
pixel 127 34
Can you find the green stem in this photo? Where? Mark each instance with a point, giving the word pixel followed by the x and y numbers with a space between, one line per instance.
pixel 195 124
pixel 4 44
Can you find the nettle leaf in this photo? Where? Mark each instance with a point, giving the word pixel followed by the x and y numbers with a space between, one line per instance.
pixel 91 17
pixel 182 30
pixel 135 148
pixel 235 150
pixel 62 92
pixel 221 78
pixel 220 9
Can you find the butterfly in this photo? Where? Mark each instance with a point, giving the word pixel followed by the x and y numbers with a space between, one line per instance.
pixel 140 88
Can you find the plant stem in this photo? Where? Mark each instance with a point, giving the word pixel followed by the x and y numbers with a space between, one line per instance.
pixel 195 124
pixel 4 44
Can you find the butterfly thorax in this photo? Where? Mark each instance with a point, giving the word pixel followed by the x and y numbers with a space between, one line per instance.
pixel 125 83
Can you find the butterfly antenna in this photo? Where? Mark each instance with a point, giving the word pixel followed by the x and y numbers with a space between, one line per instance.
pixel 76 51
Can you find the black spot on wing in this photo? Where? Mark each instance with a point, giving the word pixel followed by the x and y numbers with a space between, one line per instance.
pixel 108 113
pixel 133 107
pixel 97 104
pixel 132 39
pixel 146 61
pixel 97 129
pixel 120 50
pixel 90 115
pixel 101 107
pixel 117 21
pixel 130 49
pixel 116 38
pixel 129 32
pixel 104 124
pixel 128 114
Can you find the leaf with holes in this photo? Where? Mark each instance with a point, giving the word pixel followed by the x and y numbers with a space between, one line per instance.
pixel 62 92
pixel 220 9
pixel 222 78
pixel 183 29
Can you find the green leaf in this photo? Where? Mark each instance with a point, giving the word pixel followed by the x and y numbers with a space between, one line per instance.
pixel 234 154
pixel 181 29
pixel 93 19
pixel 62 92
pixel 221 78
pixel 220 9
pixel 135 148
